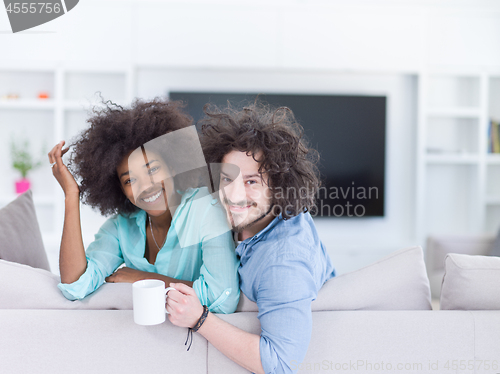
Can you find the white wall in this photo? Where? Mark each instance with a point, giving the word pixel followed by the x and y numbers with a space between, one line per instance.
pixel 325 35
pixel 283 46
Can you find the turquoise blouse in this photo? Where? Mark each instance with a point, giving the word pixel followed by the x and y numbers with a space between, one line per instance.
pixel 199 248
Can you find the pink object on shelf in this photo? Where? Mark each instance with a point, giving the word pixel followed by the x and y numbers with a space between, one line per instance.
pixel 22 185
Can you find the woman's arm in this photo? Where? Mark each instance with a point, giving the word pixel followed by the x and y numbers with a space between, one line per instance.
pixel 103 257
pixel 72 260
pixel 129 275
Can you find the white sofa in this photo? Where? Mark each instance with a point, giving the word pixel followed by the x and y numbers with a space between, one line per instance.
pixel 108 341
pixel 374 320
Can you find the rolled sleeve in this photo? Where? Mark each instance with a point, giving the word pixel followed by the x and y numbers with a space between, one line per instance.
pixel 218 284
pixel 103 258
pixel 89 281
pixel 285 314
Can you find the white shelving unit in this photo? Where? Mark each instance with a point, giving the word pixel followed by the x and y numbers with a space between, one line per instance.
pixel 43 122
pixel 458 189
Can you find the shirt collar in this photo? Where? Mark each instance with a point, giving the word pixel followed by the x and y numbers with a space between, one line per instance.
pixel 266 229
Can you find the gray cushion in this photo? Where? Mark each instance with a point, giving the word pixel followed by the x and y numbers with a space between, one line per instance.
pixel 471 283
pixel 24 287
pixel 20 238
pixel 396 282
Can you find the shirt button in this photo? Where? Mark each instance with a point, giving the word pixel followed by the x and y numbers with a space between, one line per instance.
pixel 227 292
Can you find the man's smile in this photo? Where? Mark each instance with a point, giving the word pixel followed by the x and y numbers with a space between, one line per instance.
pixel 239 208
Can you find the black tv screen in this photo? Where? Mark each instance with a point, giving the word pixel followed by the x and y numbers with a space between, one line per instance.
pixel 347 130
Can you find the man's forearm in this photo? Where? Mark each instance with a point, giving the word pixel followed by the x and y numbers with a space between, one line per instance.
pixel 240 346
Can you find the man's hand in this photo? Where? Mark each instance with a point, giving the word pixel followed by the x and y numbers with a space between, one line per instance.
pixel 127 275
pixel 183 305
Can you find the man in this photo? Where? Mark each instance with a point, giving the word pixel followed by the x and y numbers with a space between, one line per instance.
pixel 268 180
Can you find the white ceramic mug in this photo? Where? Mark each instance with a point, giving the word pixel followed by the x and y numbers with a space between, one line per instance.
pixel 149 298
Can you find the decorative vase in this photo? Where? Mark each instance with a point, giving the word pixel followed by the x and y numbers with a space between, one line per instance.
pixel 22 185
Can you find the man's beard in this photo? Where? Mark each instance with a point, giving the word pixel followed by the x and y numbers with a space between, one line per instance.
pixel 240 228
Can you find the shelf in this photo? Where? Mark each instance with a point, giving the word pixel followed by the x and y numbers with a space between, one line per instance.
pixel 452 136
pixel 457 91
pixel 494 98
pixel 455 158
pixel 34 104
pixel 458 112
pixel 493 158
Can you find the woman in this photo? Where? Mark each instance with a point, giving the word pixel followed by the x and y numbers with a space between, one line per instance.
pixel 120 164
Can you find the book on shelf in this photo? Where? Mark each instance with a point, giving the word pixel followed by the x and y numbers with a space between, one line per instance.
pixel 494 137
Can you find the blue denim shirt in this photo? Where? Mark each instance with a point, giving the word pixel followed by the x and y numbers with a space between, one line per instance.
pixel 281 269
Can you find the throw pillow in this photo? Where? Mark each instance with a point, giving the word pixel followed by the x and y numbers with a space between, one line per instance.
pixel 438 246
pixel 20 237
pixel 396 282
pixel 470 283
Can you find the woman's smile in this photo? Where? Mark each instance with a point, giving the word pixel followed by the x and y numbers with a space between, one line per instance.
pixel 152 198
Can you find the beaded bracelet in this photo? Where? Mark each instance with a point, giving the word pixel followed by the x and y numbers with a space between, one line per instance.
pixel 196 327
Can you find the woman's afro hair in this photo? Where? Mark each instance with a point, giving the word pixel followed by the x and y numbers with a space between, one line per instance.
pixel 114 132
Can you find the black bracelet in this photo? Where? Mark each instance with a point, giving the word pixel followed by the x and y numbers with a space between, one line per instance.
pixel 196 327
pixel 202 319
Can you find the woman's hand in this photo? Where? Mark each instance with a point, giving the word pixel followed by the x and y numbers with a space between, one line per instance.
pixel 61 172
pixel 183 305
pixel 127 275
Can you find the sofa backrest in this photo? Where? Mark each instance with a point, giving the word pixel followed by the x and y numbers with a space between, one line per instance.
pixel 395 282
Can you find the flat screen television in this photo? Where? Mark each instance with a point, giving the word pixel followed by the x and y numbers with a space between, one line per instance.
pixel 347 130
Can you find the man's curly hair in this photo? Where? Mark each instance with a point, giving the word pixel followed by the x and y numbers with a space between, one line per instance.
pixel 113 133
pixel 291 165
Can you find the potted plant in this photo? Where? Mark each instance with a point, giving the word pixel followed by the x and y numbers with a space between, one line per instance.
pixel 23 162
